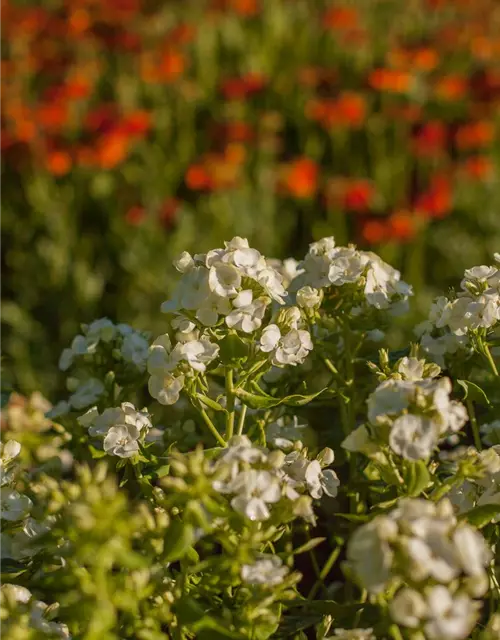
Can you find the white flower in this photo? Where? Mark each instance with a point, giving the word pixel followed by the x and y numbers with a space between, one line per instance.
pixel 408 608
pixel 370 555
pixel 433 556
pixel 319 482
pixel 59 409
pixel 389 398
pixel 39 622
pixel 472 551
pixel 484 311
pixel 18 593
pixel 135 349
pixel 212 307
pixel 88 418
pixel 166 388
pixel 293 348
pixel 184 262
pixel 121 441
pixel 283 434
pixel 412 437
pixel 224 279
pixel 241 449
pixel 198 353
pixel 8 451
pixel 255 490
pixel 308 297
pixel 491 432
pixel 272 283
pixel 102 329
pixel 411 368
pixel 161 358
pixel 14 506
pixel 248 317
pixel 270 338
pixel 353 634
pixel 267 571
pixel 88 392
pixel 450 617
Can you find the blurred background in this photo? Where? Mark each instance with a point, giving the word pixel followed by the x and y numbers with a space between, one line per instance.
pixel 135 129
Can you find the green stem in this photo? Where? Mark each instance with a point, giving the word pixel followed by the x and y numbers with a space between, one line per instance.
pixel 211 427
pixel 324 572
pixel 473 423
pixel 395 632
pixel 241 420
pixel 230 403
pixel 487 354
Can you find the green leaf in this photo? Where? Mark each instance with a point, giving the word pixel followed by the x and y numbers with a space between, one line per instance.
pixel 417 478
pixel 212 404
pixel 178 538
pixel 162 471
pixel 96 453
pixel 232 349
pixel 9 565
pixel 481 516
pixel 264 401
pixel 188 610
pixel 474 393
pixel 353 517
pixel 310 544
pixel 211 629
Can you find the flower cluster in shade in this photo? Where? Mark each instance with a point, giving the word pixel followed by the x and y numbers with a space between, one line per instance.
pixel 437 564
pixel 475 308
pixel 410 416
pixel 258 479
pixel 120 428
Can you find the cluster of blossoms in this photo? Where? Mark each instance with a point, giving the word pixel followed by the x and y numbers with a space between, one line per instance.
pixel 101 347
pixel 22 613
pixel 120 428
pixel 420 543
pixel 369 280
pixel 235 284
pixel 411 416
pixel 473 311
pixel 257 478
pixel 476 476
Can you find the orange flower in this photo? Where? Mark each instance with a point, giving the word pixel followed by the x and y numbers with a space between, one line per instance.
pixel 167 69
pixel 423 59
pixel 374 231
pixel 341 18
pixel 78 21
pixel 300 177
pixel 478 167
pixel 475 134
pixel 402 226
pixel 450 87
pixel 349 110
pixel 111 150
pixel 390 80
pixel 58 162
pixel 53 116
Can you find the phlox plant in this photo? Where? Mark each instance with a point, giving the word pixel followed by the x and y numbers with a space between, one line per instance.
pixel 267 467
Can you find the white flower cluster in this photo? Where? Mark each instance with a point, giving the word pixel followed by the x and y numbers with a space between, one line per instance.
pixel 121 428
pixel 126 344
pixel 421 543
pixel 475 307
pixel 288 345
pixel 257 478
pixel 327 265
pixel 411 416
pixel 40 614
pixel 14 506
pixel 266 571
pixel 235 284
pixel 170 366
pixel 481 485
pixel 490 432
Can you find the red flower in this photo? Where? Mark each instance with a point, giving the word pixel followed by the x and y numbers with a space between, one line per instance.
pixel 390 80
pixel 135 215
pixel 137 123
pixel 437 200
pixel 478 167
pixel 111 150
pixel 168 211
pixel 341 19
pixel 300 177
pixel 430 139
pixel 242 87
pixel 58 162
pixel 359 196
pixel 197 178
